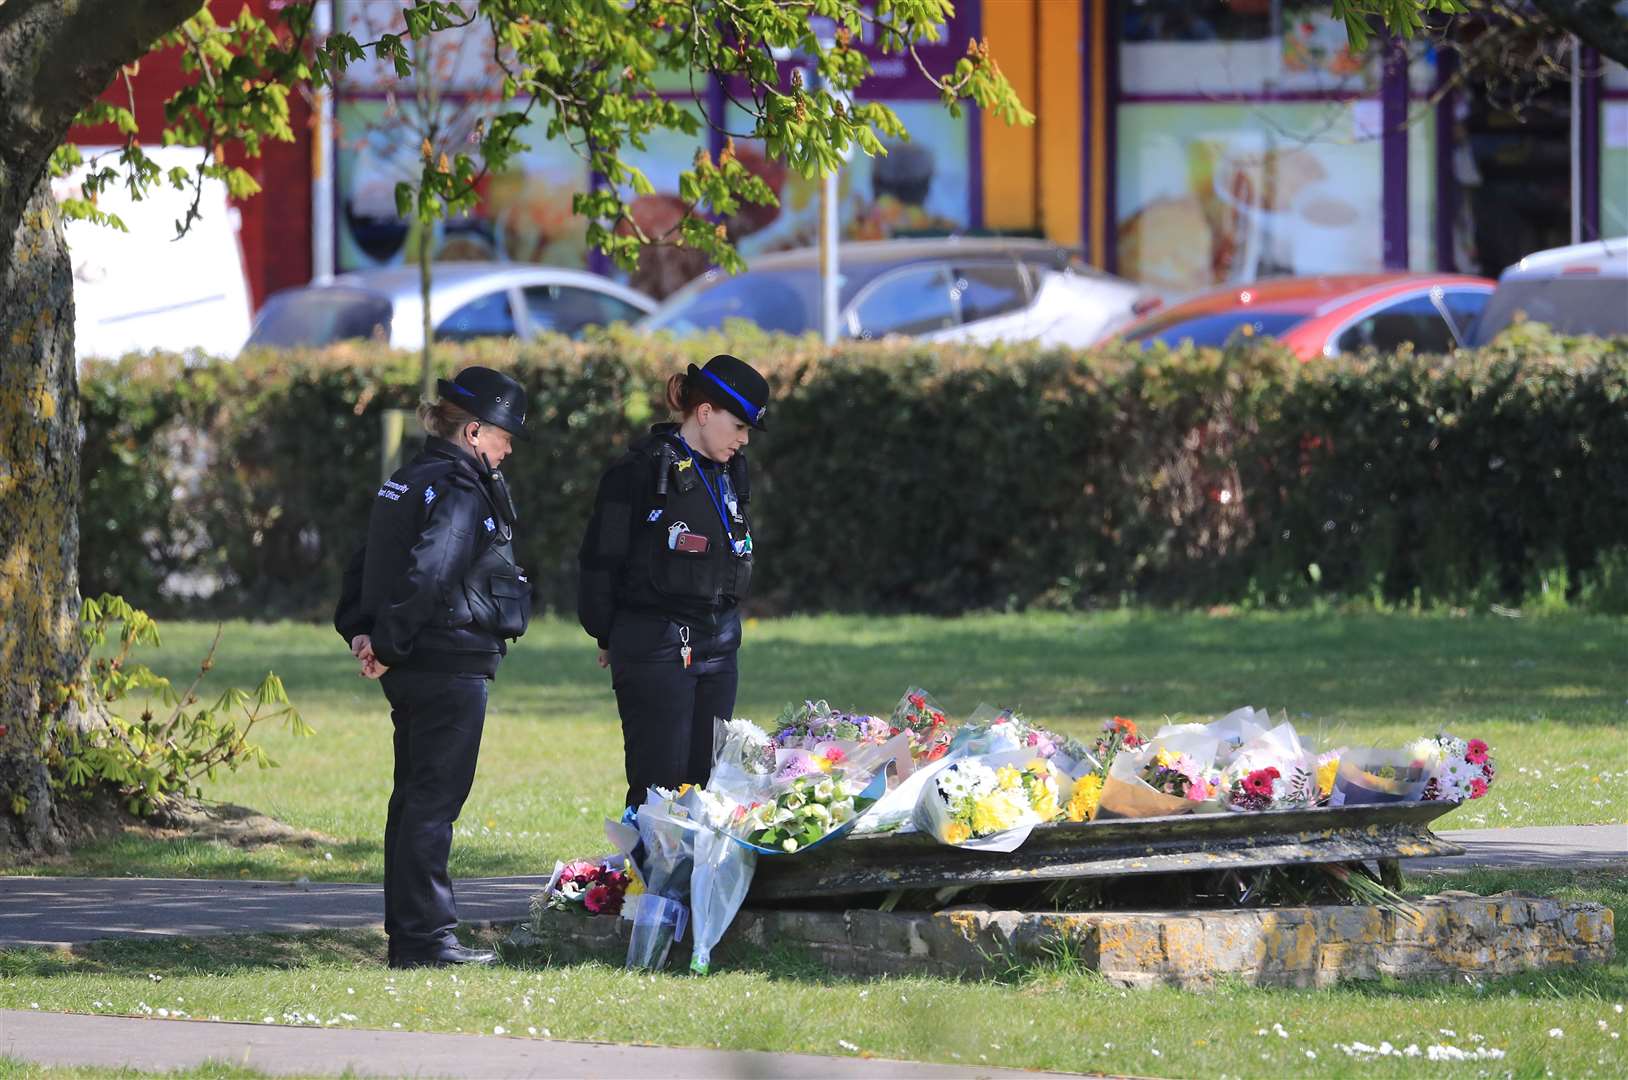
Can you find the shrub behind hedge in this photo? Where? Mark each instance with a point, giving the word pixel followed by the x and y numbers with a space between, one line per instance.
pixel 903 477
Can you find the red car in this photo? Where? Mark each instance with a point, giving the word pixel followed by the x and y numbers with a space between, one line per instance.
pixel 1327 315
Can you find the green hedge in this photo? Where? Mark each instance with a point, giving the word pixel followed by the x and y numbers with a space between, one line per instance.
pixel 903 477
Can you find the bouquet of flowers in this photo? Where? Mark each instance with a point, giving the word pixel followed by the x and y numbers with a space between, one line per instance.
pixel 1172 774
pixel 1006 731
pixel 1117 734
pixel 594 888
pixel 1271 771
pixel 815 721
pixel 989 803
pixel 1367 775
pixel 810 805
pixel 919 716
pixel 1463 768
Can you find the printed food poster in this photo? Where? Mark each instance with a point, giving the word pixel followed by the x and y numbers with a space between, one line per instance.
pixel 922 185
pixel 1233 192
pixel 524 213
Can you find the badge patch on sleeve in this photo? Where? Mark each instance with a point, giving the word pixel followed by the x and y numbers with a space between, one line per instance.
pixel 491 526
pixel 655 515
pixel 429 495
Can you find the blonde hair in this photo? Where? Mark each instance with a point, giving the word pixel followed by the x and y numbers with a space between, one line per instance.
pixel 443 419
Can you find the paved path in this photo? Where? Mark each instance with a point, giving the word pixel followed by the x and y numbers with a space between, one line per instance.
pixel 165 1045
pixel 67 911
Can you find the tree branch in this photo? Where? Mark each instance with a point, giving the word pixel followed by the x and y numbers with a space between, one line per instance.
pixel 1595 22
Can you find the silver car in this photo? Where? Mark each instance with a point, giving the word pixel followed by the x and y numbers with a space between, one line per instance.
pixel 956 289
pixel 467 300
pixel 1580 289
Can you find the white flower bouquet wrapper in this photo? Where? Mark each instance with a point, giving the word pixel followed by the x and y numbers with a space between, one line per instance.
pixel 1279 749
pixel 1126 795
pixel 934 816
pixel 895 811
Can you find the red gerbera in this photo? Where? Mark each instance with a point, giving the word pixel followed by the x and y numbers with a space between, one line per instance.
pixel 1478 788
pixel 598 899
pixel 1476 754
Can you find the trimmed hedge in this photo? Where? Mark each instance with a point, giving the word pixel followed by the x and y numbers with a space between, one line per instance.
pixel 908 477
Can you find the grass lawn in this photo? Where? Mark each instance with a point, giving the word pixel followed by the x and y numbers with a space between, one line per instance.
pixel 1548 694
pixel 1055 1016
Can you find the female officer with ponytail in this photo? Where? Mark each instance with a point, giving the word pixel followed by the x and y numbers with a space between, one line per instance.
pixel 666 561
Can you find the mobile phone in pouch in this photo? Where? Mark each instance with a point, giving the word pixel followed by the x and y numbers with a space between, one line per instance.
pixel 691 543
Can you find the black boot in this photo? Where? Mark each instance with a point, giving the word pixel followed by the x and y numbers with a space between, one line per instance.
pixel 447 955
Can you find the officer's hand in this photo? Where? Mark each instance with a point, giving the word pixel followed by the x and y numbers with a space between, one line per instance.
pixel 360 644
pixel 604 658
pixel 371 668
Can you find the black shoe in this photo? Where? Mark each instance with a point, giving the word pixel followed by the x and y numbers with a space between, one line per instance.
pixel 445 956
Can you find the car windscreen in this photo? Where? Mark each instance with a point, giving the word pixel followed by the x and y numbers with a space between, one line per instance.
pixel 320 316
pixel 1567 305
pixel 782 301
pixel 1217 328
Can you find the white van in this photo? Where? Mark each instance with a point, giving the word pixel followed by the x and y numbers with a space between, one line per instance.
pixel 145 289
pixel 1581 289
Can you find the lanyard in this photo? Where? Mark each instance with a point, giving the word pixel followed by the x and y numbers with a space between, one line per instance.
pixel 716 497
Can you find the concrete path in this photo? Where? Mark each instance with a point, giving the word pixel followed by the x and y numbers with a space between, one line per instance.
pixel 165 1045
pixel 1541 847
pixel 57 911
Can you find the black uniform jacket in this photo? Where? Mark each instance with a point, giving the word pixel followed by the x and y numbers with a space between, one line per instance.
pixel 436 586
pixel 627 559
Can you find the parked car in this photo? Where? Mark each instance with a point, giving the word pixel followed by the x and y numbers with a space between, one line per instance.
pixel 1581 289
pixel 1327 315
pixel 953 289
pixel 467 300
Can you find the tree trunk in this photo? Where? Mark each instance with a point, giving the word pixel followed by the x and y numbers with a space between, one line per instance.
pixel 55 57
pixel 40 648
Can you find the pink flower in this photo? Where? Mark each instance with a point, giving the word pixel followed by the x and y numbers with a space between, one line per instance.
pixel 834 755
pixel 1477 752
pixel 1478 788
pixel 598 899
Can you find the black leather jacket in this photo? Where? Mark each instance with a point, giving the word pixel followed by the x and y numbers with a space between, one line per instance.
pixel 627 559
pixel 436 586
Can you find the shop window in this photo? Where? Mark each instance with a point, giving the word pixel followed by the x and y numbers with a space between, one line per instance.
pixel 1234 192
pixel 490 316
pixel 1241 47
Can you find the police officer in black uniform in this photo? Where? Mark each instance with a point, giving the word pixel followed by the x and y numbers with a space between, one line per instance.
pixel 666 561
pixel 427 607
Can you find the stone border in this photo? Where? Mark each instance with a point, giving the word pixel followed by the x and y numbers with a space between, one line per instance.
pixel 1454 934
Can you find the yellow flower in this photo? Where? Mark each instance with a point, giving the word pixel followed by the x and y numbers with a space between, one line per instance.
pixel 634 885
pixel 957 833
pixel 682 788
pixel 995 812
pixel 1082 805
pixel 1166 758
pixel 1325 776
pixel 1038 766
pixel 1008 778
pixel 1045 803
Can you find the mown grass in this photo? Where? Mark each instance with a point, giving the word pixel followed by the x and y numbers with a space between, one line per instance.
pixel 1052 1016
pixel 1550 695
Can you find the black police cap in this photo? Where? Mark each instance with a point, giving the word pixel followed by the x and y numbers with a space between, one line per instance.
pixel 490 395
pixel 734 384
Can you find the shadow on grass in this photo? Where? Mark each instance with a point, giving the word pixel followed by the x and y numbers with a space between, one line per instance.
pixel 213 956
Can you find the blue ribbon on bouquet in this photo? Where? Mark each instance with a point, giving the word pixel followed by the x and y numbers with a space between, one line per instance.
pixel 873 790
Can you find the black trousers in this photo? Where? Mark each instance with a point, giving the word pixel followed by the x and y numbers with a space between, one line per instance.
pixel 438 720
pixel 668 709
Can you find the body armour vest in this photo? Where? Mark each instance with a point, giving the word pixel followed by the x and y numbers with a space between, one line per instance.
pixel 666 556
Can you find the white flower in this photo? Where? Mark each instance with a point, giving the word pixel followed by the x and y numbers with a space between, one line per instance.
pixel 841 811
pixel 823 791
pixel 1556 1033
pixel 789 844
